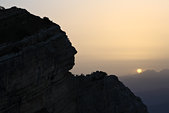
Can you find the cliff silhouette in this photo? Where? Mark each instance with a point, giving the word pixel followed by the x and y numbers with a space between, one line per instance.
pixel 35 59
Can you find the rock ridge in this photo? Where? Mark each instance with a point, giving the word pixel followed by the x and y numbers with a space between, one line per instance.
pixel 35 59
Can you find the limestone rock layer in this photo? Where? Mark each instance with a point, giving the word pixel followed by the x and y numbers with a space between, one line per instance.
pixel 35 59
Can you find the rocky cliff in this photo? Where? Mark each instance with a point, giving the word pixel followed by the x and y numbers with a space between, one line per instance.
pixel 35 59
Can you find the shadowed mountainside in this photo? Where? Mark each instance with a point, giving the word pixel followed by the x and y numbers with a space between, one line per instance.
pixel 152 87
pixel 35 59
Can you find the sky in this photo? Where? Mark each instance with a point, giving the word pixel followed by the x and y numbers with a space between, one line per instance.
pixel 115 36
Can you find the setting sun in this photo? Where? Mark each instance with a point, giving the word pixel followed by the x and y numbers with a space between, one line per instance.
pixel 139 71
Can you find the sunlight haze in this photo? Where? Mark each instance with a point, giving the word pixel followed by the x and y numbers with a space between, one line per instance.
pixel 116 36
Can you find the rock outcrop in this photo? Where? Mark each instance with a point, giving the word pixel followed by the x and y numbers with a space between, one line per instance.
pixel 35 59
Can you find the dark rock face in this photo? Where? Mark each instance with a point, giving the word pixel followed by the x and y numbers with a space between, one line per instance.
pixel 99 93
pixel 20 23
pixel 35 59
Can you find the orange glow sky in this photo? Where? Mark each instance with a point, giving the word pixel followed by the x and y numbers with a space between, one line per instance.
pixel 116 36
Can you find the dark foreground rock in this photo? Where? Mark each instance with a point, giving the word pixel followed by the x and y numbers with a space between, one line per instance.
pixel 35 59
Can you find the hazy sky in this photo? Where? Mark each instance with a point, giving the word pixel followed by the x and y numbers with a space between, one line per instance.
pixel 116 36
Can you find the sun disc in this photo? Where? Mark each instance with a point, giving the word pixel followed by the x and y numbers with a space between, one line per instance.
pixel 139 71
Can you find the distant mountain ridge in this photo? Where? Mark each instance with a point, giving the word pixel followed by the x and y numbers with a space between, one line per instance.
pixel 152 87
